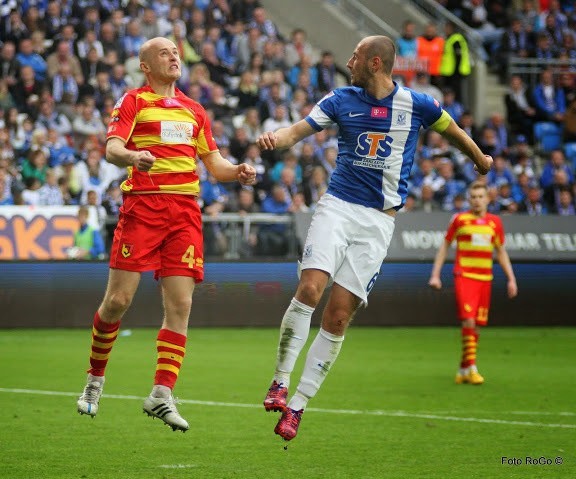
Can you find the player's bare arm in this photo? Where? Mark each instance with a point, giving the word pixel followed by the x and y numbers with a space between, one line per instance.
pixel 285 137
pixel 435 281
pixel 460 139
pixel 506 264
pixel 119 155
pixel 224 171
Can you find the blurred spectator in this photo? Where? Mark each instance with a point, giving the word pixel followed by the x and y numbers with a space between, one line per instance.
pixel 553 11
pixel 468 125
pixel 90 41
pixel 64 56
pixel 551 194
pixel 497 123
pixel 316 186
pixel 422 84
pixel 250 121
pixel 31 192
pixel 9 65
pixel 187 53
pixel 427 201
pixel 65 89
pixel 27 57
pixel 545 48
pixel 97 216
pixel 133 40
pixel 297 47
pixel 218 13
pixel 91 65
pixel 326 72
pixel 96 174
pixel 272 238
pixel 109 38
pixel 13 28
pixel 474 14
pixel 88 123
pixel 246 92
pixel 278 120
pixel 446 186
pixel 328 160
pixel 243 9
pixel 532 204
pixel 35 166
pixel 557 162
pixel 505 200
pixel 264 24
pixel 565 205
pixel 245 205
pixel 149 25
pixel 88 242
pixel 455 64
pixel 568 85
pixel 406 44
pixel 50 193
pixel 520 111
pixel 454 108
pixel 430 47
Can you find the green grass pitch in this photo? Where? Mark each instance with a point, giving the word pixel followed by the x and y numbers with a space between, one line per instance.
pixel 388 409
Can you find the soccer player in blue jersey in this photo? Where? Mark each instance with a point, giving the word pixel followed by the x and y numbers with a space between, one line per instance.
pixel 353 223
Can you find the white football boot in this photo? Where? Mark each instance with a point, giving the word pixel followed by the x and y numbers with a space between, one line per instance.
pixel 88 402
pixel 164 408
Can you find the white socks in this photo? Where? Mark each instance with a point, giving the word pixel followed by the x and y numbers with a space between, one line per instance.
pixel 293 335
pixel 321 356
pixel 159 391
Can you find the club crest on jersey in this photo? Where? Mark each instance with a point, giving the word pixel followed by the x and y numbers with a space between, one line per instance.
pixel 127 250
pixel 401 118
pixel 373 144
pixel 307 251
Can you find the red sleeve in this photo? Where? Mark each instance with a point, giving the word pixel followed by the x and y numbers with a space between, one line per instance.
pixel 123 117
pixel 452 228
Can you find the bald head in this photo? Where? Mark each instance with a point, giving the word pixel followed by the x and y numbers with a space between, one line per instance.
pixel 382 47
pixel 154 45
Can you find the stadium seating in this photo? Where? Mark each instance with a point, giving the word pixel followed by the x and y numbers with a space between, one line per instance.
pixel 547 136
pixel 570 152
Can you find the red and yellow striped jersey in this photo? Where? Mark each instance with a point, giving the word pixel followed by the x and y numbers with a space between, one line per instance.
pixel 174 129
pixel 475 238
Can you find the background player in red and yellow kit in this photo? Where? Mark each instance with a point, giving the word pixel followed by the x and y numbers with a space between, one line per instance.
pixel 477 234
pixel 157 132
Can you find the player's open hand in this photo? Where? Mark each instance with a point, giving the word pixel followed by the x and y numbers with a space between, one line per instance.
pixel 435 283
pixel 143 160
pixel 484 165
pixel 267 140
pixel 246 174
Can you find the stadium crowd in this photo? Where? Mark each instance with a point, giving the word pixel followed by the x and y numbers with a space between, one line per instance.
pixel 64 64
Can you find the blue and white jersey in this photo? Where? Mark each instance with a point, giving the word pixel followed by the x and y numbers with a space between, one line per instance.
pixel 376 142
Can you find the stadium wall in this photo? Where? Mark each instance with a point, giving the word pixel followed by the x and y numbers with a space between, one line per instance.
pixel 66 294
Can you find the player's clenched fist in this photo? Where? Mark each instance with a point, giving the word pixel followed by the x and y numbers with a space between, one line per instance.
pixel 484 165
pixel 267 140
pixel 143 160
pixel 246 174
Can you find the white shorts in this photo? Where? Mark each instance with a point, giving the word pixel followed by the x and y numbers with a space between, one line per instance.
pixel 349 242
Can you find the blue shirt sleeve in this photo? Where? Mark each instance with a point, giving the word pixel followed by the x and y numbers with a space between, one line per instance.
pixel 98 243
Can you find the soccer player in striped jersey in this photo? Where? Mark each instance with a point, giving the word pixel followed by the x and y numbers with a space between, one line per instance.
pixel 379 123
pixel 477 234
pixel 157 133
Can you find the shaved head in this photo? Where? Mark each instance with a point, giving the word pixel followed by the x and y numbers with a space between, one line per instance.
pixel 154 44
pixel 382 47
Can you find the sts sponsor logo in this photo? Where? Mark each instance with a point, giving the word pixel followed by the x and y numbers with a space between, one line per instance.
pixel 371 144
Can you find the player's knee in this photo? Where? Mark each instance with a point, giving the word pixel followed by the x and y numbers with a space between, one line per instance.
pixel 181 306
pixel 309 292
pixel 117 303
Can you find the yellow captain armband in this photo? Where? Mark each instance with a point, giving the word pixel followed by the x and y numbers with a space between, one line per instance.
pixel 441 123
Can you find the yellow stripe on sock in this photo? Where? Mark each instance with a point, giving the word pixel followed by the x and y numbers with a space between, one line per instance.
pixel 173 356
pixel 103 335
pixel 170 345
pixel 99 356
pixel 167 367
